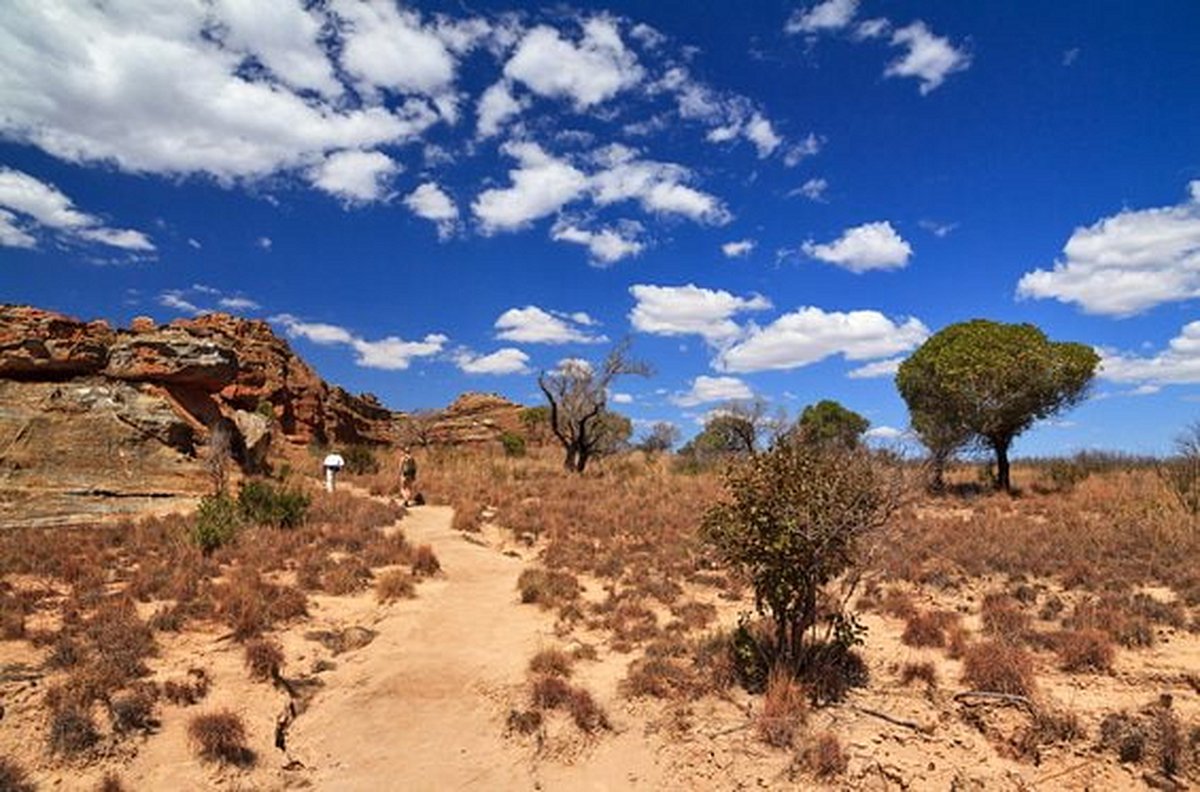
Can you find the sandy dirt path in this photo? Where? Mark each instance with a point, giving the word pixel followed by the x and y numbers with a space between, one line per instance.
pixel 423 706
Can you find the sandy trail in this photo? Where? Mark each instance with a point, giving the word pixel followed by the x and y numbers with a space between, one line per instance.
pixel 423 706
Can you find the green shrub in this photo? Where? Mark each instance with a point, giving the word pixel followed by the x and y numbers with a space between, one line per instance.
pixel 514 444
pixel 263 503
pixel 217 521
pixel 266 410
pixel 360 460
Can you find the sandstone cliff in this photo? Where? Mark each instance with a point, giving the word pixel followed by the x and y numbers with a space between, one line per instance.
pixel 473 418
pixel 95 420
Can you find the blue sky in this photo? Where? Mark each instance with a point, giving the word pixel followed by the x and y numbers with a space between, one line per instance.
pixel 440 197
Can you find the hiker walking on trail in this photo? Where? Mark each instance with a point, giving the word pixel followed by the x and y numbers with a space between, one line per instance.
pixel 408 476
pixel 333 465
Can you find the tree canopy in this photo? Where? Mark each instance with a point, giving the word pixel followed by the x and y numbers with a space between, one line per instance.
pixel 828 423
pixel 989 381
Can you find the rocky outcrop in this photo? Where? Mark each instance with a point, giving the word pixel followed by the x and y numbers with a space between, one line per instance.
pixel 37 344
pixel 123 416
pixel 73 451
pixel 174 357
pixel 270 375
pixel 476 418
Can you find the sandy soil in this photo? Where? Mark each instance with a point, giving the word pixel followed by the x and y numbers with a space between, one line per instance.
pixel 424 705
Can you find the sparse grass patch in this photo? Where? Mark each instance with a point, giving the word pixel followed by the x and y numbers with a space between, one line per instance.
pixel 824 756
pixel 784 710
pixel 552 662
pixel 1003 619
pixel 1084 650
pixel 264 659
pixel 13 777
pixel 919 672
pixel 395 584
pixel 548 588
pixel 220 737
pixel 928 628
pixel 998 667
pixel 72 730
pixel 425 562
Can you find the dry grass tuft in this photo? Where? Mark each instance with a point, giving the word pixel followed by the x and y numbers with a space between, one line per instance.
pixel 395 584
pixel 547 588
pixel 188 691
pixel 928 628
pixel 824 756
pixel 264 659
pixel 110 783
pixel 1004 619
pixel 72 730
pixel 998 667
pixel 220 737
pixel 1084 650
pixel 919 672
pixel 13 777
pixel 552 662
pixel 553 692
pixel 425 562
pixel 784 710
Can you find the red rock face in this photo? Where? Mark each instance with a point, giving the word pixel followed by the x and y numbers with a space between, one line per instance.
pixel 94 421
pixel 37 344
pixel 174 357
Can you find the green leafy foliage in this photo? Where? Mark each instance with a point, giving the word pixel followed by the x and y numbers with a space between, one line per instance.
pixel 828 423
pixel 793 523
pixel 263 503
pixel 989 381
pixel 218 520
pixel 513 443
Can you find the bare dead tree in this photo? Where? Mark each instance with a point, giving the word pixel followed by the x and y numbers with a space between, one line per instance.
pixel 220 453
pixel 578 392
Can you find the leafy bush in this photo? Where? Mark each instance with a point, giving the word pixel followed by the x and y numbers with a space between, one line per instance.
pixel 360 460
pixel 262 503
pixel 514 444
pixel 793 525
pixel 217 521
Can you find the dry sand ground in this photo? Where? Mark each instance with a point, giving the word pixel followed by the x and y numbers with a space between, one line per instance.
pixel 423 706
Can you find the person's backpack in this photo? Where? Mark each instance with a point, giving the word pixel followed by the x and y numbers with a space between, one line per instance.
pixel 409 468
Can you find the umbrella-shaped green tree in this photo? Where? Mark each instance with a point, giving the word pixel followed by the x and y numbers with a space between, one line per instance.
pixel 989 381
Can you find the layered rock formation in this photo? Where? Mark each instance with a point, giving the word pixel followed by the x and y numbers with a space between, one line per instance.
pixel 474 418
pixel 95 420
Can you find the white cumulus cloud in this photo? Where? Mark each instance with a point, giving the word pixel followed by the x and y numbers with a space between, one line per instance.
pixel 28 204
pixel 355 176
pixel 822 17
pixel 387 47
pixel 928 57
pixel 432 203
pixel 690 310
pixel 541 185
pixel 1178 364
pixel 810 334
pixel 706 390
pixel 534 325
pixel 390 353
pixel 605 245
pixel 879 368
pixel 496 106
pixel 1127 263
pixel 738 249
pixel 588 72
pixel 509 360
pixel 870 246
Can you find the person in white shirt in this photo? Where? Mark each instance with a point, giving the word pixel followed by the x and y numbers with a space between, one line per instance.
pixel 333 465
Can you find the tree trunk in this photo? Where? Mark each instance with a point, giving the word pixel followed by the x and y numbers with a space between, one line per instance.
pixel 1003 481
pixel 569 463
pixel 581 460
